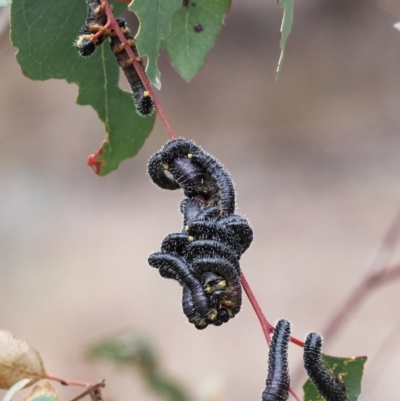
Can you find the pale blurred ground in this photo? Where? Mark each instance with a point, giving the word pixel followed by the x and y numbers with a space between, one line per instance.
pixel 316 162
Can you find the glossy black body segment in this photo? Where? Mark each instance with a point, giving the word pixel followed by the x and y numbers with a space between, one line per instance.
pixel 278 380
pixel 329 386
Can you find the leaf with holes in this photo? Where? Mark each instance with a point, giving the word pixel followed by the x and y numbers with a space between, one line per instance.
pixel 18 360
pixel 155 24
pixel 44 32
pixel 350 369
pixel 194 30
pixel 286 27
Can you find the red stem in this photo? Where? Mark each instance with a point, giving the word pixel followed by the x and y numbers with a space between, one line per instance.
pixel 67 382
pixel 266 326
pixel 112 24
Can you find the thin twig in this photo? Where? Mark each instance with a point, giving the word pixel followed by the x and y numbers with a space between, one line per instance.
pixel 112 24
pixel 67 382
pixel 375 275
pixel 93 391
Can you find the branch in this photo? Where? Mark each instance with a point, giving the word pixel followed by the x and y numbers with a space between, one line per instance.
pixel 112 24
pixel 375 275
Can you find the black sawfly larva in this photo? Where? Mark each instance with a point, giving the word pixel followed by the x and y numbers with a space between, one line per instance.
pixel 95 21
pixel 143 102
pixel 278 380
pixel 329 386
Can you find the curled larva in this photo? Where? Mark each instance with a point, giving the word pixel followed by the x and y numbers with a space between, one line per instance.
pixel 159 175
pixel 215 187
pixel 278 380
pixel 194 209
pixel 329 386
pixel 211 249
pixel 240 228
pixel 211 230
pixel 232 293
pixel 176 268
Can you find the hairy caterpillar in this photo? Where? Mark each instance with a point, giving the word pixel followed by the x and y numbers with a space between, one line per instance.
pixel 143 102
pixel 278 380
pixel 92 33
pixel 329 386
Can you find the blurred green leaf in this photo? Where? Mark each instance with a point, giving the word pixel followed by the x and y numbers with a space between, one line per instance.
pixel 133 350
pixel 286 27
pixel 15 388
pixel 44 33
pixel 155 24
pixel 350 370
pixel 125 349
pixel 194 30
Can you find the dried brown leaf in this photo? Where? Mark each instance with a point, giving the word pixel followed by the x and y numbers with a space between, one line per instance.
pixel 18 360
pixel 42 391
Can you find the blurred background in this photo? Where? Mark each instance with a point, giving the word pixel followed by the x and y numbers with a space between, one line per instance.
pixel 316 162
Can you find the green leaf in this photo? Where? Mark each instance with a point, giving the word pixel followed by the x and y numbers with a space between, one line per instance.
pixel 130 349
pixel 286 27
pixel 155 24
pixel 44 33
pixel 5 2
pixel 350 370
pixel 15 388
pixel 194 30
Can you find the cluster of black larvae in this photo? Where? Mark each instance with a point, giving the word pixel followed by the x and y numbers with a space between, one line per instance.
pixel 204 256
pixel 278 380
pixel 94 33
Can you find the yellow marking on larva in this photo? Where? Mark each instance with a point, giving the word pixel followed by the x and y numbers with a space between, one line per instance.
pixel 190 239
pixel 83 38
pixel 119 47
pixel 146 94
pixel 207 289
pixel 222 283
pixel 189 156
pixel 139 59
pixel 187 228
pixel 226 303
pixel 126 63
pixel 213 314
pixel 166 166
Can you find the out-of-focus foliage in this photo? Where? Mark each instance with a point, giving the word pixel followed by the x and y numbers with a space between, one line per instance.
pixel 134 351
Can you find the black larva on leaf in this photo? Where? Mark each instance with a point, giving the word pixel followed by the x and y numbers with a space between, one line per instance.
pixel 143 102
pixel 329 386
pixel 92 33
pixel 278 380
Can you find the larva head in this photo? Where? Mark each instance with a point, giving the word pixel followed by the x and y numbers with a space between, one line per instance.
pixel 145 106
pixel 85 45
